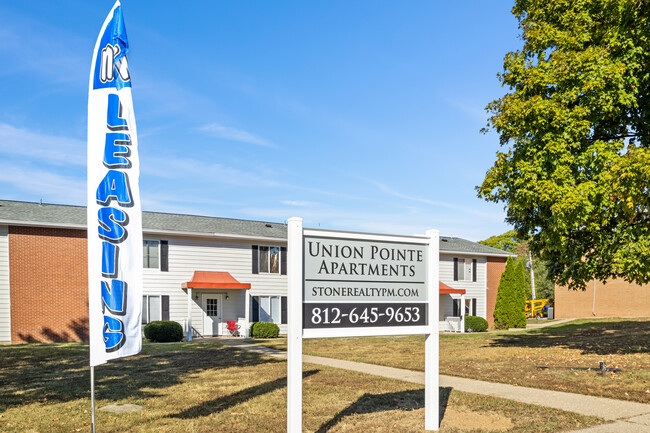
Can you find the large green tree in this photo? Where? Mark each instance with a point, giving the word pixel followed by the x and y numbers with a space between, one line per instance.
pixel 574 168
pixel 508 241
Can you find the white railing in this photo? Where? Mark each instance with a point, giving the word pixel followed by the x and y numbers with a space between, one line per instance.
pixel 453 324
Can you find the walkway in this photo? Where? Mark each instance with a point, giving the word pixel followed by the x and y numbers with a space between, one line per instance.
pixel 537 324
pixel 626 416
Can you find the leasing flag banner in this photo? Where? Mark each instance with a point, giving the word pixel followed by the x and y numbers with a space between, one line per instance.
pixel 114 211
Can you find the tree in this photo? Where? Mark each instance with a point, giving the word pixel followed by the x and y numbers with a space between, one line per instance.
pixel 544 285
pixel 509 309
pixel 508 241
pixel 574 169
pixel 519 296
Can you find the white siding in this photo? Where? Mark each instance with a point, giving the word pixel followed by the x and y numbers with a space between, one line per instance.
pixel 473 289
pixel 5 307
pixel 187 255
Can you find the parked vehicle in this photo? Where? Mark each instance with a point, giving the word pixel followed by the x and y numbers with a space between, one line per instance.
pixel 538 308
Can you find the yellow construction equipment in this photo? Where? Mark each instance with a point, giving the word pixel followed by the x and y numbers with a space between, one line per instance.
pixel 538 308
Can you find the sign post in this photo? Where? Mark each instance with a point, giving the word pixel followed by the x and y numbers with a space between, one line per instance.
pixel 294 343
pixel 344 284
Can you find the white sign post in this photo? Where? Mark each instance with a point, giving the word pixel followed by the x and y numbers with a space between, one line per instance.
pixel 344 284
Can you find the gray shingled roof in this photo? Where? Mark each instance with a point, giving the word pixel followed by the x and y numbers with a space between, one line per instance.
pixel 465 246
pixel 20 212
pixel 75 216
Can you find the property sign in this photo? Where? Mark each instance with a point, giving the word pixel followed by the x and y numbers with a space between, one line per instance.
pixel 367 282
pixel 344 284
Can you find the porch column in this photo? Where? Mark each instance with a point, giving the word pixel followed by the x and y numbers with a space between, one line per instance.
pixel 189 314
pixel 462 312
pixel 247 307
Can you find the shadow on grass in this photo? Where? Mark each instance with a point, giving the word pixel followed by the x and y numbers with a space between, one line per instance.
pixel 372 403
pixel 604 337
pixel 224 403
pixel 57 374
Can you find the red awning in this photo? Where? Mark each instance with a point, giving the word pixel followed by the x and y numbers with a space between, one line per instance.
pixel 448 290
pixel 214 280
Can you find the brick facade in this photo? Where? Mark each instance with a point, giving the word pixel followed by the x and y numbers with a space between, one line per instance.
pixel 495 267
pixel 49 284
pixel 617 298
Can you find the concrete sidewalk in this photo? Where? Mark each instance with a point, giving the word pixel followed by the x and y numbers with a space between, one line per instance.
pixel 537 324
pixel 627 416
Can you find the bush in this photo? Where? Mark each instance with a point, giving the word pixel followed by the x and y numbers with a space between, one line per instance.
pixel 520 296
pixel 163 331
pixel 509 311
pixel 476 324
pixel 264 330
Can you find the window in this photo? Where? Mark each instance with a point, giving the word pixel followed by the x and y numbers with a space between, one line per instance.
pixel 269 259
pixel 470 306
pixel 154 307
pixel 269 309
pixel 456 308
pixel 155 255
pixel 150 252
pixel 460 273
pixel 212 307
pixel 465 269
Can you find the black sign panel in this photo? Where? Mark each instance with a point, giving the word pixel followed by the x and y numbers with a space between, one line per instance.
pixel 363 315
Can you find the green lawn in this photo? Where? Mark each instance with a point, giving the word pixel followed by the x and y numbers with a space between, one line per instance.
pixel 515 357
pixel 206 387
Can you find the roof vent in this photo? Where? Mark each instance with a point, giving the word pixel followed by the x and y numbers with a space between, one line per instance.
pixel 269 225
pixel 444 240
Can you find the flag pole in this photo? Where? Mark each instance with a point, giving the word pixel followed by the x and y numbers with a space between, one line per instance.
pixel 92 397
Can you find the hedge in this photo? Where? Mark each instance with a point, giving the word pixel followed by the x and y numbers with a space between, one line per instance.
pixel 163 331
pixel 264 330
pixel 509 311
pixel 475 324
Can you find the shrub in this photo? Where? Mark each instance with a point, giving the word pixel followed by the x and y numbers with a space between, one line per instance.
pixel 502 307
pixel 163 331
pixel 520 296
pixel 509 311
pixel 476 324
pixel 264 330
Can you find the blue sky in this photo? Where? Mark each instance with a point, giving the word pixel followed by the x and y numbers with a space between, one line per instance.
pixel 361 116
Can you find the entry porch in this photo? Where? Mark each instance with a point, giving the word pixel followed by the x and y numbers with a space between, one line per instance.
pixel 451 309
pixel 214 299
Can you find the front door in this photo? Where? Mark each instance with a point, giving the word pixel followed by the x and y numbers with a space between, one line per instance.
pixel 211 314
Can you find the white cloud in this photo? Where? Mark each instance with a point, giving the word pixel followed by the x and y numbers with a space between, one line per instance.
pixel 50 186
pixel 300 203
pixel 496 216
pixel 46 148
pixel 192 170
pixel 228 133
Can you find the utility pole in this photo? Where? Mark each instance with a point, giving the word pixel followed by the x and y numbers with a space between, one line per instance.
pixel 532 274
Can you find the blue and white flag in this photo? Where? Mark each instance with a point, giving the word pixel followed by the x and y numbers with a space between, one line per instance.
pixel 114 211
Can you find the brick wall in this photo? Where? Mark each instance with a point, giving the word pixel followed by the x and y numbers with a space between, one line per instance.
pixel 495 267
pixel 617 298
pixel 49 284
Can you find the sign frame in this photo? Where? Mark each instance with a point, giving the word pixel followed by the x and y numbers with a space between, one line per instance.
pixel 296 331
